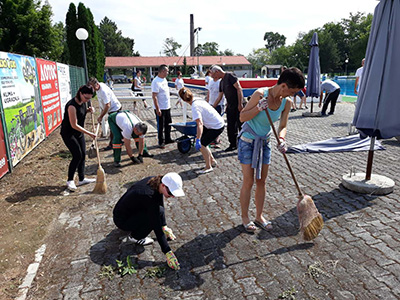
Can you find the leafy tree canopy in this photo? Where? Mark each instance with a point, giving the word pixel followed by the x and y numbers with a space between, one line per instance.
pixel 170 47
pixel 114 43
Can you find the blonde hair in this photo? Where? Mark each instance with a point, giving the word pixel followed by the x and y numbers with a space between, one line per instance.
pixel 185 94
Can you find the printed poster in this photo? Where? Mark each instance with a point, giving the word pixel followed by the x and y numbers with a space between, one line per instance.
pixel 21 104
pixel 50 95
pixel 64 85
pixel 3 152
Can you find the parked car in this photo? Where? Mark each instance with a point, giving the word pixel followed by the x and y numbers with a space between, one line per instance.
pixel 119 78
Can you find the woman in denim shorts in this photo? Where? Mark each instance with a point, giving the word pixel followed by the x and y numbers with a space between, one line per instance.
pixel 254 146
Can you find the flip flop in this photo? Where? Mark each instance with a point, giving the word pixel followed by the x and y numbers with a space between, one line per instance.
pixel 250 227
pixel 267 226
pixel 205 171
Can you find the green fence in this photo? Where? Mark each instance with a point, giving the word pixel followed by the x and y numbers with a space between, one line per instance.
pixel 77 77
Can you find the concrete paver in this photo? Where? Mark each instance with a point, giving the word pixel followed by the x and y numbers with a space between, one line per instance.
pixel 356 253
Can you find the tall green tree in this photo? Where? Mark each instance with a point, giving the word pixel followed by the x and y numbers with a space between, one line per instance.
pixel 227 52
pixel 258 58
pixel 25 28
pixel 114 43
pixel 83 18
pixel 170 47
pixel 274 40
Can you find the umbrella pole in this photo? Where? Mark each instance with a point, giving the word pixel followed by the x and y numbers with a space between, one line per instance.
pixel 370 159
pixel 312 102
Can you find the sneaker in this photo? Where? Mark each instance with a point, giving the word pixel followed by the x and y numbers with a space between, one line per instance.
pixel 117 164
pixel 330 113
pixel 147 154
pixel 169 142
pixel 71 185
pixel 143 242
pixel 161 146
pixel 230 148
pixel 107 148
pixel 86 181
pixel 293 110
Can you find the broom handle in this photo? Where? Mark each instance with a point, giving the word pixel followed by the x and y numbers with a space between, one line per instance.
pixel 284 154
pixel 95 140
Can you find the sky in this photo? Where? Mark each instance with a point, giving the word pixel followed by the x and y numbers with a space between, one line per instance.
pixel 235 25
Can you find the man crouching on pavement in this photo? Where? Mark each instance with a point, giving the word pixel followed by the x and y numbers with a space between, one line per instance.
pixel 141 210
pixel 124 125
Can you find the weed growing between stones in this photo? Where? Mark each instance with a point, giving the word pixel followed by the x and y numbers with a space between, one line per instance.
pixel 121 269
pixel 156 272
pixel 315 270
pixel 288 294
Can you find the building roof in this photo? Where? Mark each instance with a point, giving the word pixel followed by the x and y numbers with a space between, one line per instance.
pixel 156 61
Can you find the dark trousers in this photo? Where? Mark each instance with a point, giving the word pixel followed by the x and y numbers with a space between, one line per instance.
pixel 77 147
pixel 330 98
pixel 138 224
pixel 234 125
pixel 163 122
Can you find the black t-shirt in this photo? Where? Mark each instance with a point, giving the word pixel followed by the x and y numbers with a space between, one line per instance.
pixel 226 86
pixel 66 128
pixel 141 200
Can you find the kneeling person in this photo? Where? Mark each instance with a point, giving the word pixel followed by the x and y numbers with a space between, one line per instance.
pixel 124 125
pixel 141 210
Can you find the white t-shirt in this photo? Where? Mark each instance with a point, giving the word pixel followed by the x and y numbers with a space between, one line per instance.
pixel 359 74
pixel 138 83
pixel 125 125
pixel 106 95
pixel 160 86
pixel 329 86
pixel 207 114
pixel 213 89
pixel 207 81
pixel 179 83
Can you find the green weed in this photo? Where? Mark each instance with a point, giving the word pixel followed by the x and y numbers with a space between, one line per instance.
pixel 156 272
pixel 288 294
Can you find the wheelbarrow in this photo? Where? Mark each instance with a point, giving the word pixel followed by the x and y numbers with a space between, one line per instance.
pixel 189 131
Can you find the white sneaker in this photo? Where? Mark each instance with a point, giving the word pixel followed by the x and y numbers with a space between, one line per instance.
pixel 86 181
pixel 143 242
pixel 71 185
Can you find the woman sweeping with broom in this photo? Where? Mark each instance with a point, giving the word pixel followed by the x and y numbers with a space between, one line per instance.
pixel 254 147
pixel 72 131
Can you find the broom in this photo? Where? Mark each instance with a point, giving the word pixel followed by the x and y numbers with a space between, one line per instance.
pixel 101 186
pixel 310 219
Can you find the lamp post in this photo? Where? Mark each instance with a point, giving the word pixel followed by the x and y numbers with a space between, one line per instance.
pixel 196 31
pixel 346 62
pixel 82 35
pixel 175 67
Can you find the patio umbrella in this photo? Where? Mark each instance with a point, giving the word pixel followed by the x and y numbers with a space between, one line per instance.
pixel 314 71
pixel 378 104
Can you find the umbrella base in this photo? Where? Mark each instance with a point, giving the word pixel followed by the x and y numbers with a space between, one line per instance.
pixel 312 114
pixel 378 185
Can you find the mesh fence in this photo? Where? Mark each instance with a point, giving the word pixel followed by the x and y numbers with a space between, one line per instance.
pixel 77 77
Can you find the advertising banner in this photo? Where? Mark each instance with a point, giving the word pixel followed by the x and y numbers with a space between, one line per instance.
pixel 50 95
pixel 64 85
pixel 21 104
pixel 3 152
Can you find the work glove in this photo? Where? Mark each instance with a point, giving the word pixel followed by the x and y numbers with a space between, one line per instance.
pixel 172 261
pixel 282 148
pixel 168 233
pixel 135 160
pixel 198 144
pixel 262 104
pixel 140 158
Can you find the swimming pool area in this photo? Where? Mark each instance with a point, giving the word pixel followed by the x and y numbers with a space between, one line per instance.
pixel 346 85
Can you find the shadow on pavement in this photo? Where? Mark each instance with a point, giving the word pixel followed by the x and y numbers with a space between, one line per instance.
pixel 331 204
pixel 36 191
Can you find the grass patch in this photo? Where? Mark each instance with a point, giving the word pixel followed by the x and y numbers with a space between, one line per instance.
pixel 156 272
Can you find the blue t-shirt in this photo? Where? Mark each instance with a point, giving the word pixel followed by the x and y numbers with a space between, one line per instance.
pixel 260 123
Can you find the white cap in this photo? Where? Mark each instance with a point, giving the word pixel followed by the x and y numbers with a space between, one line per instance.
pixel 174 183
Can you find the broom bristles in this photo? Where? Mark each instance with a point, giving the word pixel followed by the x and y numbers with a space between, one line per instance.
pixel 311 222
pixel 101 186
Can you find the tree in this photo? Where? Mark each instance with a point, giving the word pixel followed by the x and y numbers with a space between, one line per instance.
pixel 93 45
pixel 114 43
pixel 170 47
pixel 25 27
pixel 227 52
pixel 274 40
pixel 185 67
pixel 210 49
pixel 258 58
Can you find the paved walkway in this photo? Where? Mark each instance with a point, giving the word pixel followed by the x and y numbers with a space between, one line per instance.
pixel 356 256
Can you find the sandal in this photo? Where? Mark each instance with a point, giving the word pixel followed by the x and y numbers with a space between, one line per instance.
pixel 267 226
pixel 250 227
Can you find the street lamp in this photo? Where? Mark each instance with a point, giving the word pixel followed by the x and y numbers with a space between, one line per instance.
pixel 346 62
pixel 196 31
pixel 175 67
pixel 82 35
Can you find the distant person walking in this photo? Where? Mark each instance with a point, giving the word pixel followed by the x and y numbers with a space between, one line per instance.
pixel 359 74
pixel 137 87
pixel 332 91
pixel 72 133
pixel 108 103
pixel 179 83
pixel 162 106
pixel 230 87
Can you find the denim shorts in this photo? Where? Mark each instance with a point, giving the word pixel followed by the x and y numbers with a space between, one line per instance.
pixel 245 152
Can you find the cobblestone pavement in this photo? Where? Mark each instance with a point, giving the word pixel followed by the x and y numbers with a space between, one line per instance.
pixel 356 256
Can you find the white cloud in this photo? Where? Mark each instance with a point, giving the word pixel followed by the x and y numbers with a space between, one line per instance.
pixel 239 27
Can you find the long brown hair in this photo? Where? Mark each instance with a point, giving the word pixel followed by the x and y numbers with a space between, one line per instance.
pixel 155 182
pixel 185 94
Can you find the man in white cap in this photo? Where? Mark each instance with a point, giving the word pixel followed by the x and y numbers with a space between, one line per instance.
pixel 141 210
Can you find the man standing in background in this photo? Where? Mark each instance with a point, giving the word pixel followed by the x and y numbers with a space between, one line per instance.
pixel 162 106
pixel 359 73
pixel 230 87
